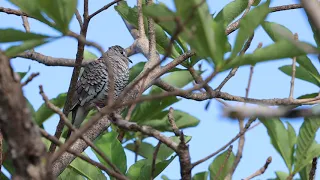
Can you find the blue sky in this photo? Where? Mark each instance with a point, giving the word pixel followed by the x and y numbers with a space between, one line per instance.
pixel 214 131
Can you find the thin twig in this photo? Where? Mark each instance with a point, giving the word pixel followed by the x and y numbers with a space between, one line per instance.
pixel 235 25
pixel 250 121
pixel 234 70
pixel 154 159
pixel 173 123
pixel 293 75
pixel 76 71
pixel 136 149
pixel 1 150
pixel 224 162
pixel 69 125
pixel 313 169
pixel 78 16
pixel 30 78
pixel 81 156
pixel 261 170
pixel 103 8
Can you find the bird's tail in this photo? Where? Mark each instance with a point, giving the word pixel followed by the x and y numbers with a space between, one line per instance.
pixel 79 113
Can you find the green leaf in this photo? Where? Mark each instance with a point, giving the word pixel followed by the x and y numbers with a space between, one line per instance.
pixel 278 50
pixel 312 95
pixel 220 162
pixel 304 173
pixel 44 113
pixel 3 176
pixel 26 45
pixel 142 169
pixel 182 119
pixel 87 170
pixel 162 40
pixel 248 24
pixel 87 55
pixel 292 139
pixel 60 11
pixel 280 140
pixel 145 149
pixel 112 148
pixel 231 11
pixel 70 173
pixel 164 177
pixel 204 39
pixel 14 35
pixel 304 152
pixel 276 31
pixel 201 176
pixel 136 70
pixel 281 175
pixel 256 2
pixel 301 73
pixel 32 8
pixel 279 32
pixel 22 74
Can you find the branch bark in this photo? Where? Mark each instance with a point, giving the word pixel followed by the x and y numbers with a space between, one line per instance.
pixel 26 148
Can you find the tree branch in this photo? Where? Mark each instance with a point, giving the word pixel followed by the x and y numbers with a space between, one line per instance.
pixel 261 170
pixel 26 148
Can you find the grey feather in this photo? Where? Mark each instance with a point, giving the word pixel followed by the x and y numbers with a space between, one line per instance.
pixel 92 87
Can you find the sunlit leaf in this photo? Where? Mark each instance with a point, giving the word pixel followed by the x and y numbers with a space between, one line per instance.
pixel 14 35
pixel 221 165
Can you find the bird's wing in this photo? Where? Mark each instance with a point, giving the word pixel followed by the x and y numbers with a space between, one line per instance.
pixel 91 83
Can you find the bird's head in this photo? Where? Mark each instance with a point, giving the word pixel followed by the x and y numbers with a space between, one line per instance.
pixel 120 51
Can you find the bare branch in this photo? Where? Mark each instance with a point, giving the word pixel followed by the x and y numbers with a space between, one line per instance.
pixel 78 16
pixel 70 126
pixel 50 61
pixel 103 8
pixel 81 156
pixel 154 159
pixel 25 23
pixel 312 9
pixel 142 33
pixel 235 25
pixel 250 121
pixel 147 130
pixel 184 157
pixel 293 75
pixel 234 70
pixel 13 11
pixel 26 148
pixel 30 78
pixel 173 123
pixel 313 169
pixel 261 170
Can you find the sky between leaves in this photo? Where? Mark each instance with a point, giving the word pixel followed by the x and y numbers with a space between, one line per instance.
pixel 214 131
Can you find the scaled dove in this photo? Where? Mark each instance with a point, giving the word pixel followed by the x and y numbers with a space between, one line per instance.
pixel 92 87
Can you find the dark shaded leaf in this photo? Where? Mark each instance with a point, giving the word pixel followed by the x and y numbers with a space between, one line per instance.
pixel 313 95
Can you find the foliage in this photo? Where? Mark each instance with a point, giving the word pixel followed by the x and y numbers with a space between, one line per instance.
pixel 194 30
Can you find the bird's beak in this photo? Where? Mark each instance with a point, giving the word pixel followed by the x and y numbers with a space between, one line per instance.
pixel 129 60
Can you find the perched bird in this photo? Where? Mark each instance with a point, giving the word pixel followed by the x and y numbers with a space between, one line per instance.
pixel 93 85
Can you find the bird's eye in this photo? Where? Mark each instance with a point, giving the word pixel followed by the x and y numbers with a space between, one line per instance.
pixel 124 53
